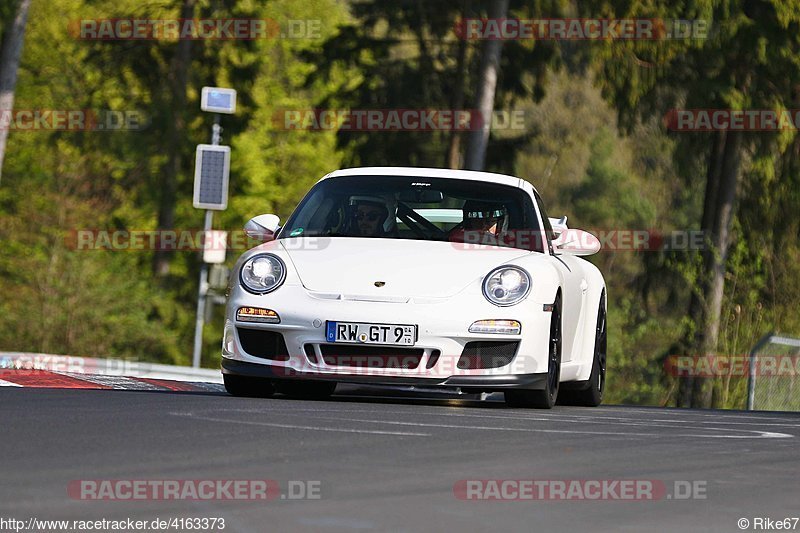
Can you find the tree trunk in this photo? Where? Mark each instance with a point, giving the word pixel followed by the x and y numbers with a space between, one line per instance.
pixel 176 125
pixel 9 63
pixel 487 83
pixel 457 101
pixel 724 164
pixel 697 305
pixel 718 256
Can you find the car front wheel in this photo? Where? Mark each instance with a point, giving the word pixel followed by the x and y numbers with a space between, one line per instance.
pixel 544 399
pixel 590 392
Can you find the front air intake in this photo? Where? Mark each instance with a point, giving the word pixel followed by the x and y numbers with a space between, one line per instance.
pixel 310 354
pixel 479 355
pixel 263 343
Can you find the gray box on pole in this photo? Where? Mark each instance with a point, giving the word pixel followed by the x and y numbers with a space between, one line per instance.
pixel 218 100
pixel 211 170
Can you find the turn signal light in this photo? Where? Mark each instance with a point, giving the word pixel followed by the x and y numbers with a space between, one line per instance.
pixel 504 327
pixel 257 314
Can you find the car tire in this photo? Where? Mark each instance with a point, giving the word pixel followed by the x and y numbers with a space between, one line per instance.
pixel 307 390
pixel 590 394
pixel 247 386
pixel 546 398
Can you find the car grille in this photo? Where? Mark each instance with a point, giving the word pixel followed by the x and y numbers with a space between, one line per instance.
pixel 370 356
pixel 263 343
pixel 487 354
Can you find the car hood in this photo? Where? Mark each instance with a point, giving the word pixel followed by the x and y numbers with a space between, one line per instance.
pixel 352 268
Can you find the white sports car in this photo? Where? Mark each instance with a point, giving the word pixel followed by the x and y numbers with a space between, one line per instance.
pixel 423 277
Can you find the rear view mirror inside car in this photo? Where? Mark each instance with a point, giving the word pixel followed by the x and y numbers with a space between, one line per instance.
pixel 421 196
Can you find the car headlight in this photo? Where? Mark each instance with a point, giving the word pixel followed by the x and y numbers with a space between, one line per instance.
pixel 506 285
pixel 262 273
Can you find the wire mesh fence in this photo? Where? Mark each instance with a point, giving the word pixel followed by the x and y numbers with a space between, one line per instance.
pixel 774 374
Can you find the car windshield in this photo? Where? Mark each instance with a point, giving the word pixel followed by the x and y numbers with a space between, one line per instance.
pixel 430 209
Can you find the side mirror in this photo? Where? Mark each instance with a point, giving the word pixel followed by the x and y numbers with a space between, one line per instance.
pixel 559 225
pixel 262 227
pixel 576 242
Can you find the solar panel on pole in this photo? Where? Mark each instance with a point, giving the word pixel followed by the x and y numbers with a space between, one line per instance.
pixel 211 172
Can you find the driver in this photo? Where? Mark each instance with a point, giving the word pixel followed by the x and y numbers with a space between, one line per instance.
pixel 368 216
pixel 483 222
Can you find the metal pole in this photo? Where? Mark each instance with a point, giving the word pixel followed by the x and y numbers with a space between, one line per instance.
pixel 202 291
pixel 202 288
pixel 216 130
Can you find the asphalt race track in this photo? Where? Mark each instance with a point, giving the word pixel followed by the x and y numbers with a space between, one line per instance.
pixel 393 463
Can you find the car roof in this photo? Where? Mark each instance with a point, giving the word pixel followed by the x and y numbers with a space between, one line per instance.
pixel 419 172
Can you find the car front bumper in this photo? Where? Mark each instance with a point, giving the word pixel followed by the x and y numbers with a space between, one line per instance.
pixel 443 339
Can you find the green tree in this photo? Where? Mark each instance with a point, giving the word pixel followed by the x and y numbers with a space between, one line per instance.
pixel 64 181
pixel 13 36
pixel 413 58
pixel 731 69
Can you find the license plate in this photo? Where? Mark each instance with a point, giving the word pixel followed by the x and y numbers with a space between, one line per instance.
pixel 398 334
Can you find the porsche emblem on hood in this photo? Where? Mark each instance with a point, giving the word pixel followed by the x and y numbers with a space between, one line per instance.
pixel 380 283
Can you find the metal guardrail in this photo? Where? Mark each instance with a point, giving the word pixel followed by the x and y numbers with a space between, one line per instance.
pixel 106 367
